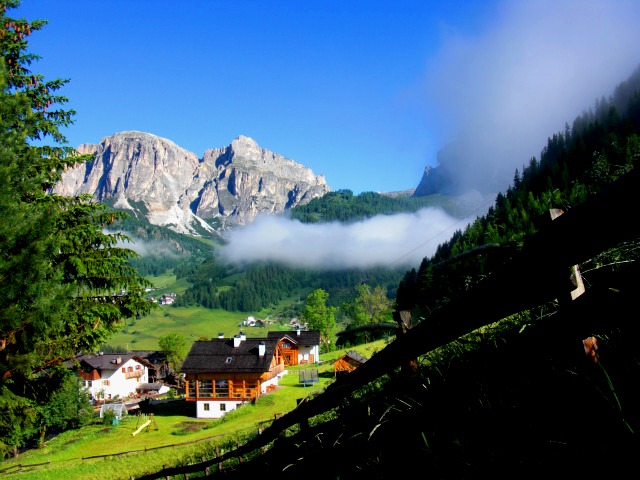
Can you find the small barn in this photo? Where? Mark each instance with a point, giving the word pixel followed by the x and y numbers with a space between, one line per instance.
pixel 347 363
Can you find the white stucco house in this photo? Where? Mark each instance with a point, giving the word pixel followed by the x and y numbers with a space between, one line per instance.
pixel 111 376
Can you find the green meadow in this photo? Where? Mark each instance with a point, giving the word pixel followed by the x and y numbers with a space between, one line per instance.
pixel 192 322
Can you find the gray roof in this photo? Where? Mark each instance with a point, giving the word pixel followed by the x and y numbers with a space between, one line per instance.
pixel 220 356
pixel 152 356
pixel 149 387
pixel 305 337
pixel 109 361
pixel 353 355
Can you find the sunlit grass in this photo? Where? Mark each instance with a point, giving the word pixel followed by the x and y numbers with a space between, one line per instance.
pixel 191 322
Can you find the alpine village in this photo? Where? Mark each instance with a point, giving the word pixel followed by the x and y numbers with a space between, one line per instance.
pixel 508 353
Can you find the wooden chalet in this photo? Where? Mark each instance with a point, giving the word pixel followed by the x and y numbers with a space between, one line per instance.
pixel 347 363
pixel 224 373
pixel 298 346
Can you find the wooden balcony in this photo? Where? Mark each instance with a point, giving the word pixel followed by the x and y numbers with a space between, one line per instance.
pixel 135 374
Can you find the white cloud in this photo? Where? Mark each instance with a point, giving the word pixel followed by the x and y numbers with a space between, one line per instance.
pixel 536 66
pixel 400 240
pixel 143 247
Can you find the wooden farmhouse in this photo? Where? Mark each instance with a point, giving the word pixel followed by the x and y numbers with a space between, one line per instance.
pixel 298 347
pixel 347 363
pixel 110 376
pixel 223 373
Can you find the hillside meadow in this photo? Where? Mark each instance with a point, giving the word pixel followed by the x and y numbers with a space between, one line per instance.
pixel 192 322
pixel 175 438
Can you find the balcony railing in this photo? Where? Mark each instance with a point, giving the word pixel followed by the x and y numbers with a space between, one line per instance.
pixel 136 374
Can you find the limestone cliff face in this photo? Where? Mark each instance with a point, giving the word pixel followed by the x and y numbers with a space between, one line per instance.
pixel 173 187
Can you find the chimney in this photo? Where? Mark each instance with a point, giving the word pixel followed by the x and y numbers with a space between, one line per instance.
pixel 119 360
pixel 261 349
pixel 298 331
pixel 236 341
pixel 221 335
pixel 243 336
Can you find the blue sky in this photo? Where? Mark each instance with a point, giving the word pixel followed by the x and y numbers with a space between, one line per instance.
pixel 330 84
pixel 363 92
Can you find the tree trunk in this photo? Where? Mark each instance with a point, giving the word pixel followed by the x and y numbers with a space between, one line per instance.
pixel 42 435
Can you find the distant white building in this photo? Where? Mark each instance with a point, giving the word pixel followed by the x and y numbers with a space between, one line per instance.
pixel 167 299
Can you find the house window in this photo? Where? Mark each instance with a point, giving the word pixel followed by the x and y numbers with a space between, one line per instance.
pixel 124 370
pixel 286 345
pixel 105 382
pixel 229 360
pixel 131 369
pixel 205 388
pixel 206 407
pixel 222 389
pixel 137 367
pixel 236 389
pixel 223 407
pixel 191 389
pixel 251 387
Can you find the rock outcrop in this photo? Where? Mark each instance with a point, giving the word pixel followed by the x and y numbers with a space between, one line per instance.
pixel 171 186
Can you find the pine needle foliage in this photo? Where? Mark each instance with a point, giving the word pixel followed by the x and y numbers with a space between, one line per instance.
pixel 66 285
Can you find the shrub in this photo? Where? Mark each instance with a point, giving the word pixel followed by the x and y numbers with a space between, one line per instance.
pixel 108 416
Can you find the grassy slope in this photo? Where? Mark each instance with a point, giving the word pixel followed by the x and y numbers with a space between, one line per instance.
pixel 192 322
pixel 66 452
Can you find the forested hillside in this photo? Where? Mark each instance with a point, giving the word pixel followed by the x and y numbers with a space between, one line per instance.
pixel 215 285
pixel 259 286
pixel 344 206
pixel 161 249
pixel 576 163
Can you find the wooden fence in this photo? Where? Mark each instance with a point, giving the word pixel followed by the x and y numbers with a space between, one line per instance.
pixel 22 466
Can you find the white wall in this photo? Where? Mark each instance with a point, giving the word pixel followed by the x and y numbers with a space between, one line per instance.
pixel 118 383
pixel 305 352
pixel 215 410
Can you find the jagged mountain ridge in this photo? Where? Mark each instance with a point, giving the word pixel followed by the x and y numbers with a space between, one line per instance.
pixel 170 186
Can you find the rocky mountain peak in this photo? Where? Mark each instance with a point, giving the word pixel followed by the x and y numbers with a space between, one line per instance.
pixel 246 147
pixel 154 177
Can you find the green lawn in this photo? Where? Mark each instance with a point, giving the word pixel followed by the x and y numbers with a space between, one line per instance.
pixel 176 424
pixel 191 322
